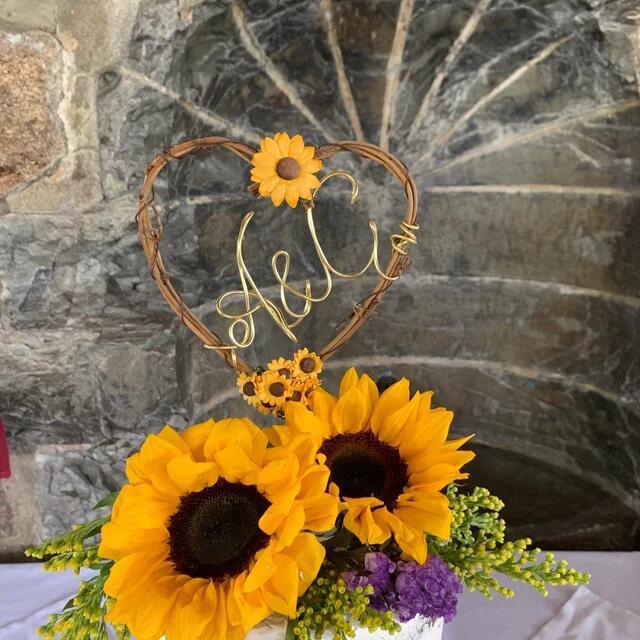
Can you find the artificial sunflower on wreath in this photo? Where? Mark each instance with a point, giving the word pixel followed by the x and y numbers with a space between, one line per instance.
pixel 284 168
pixel 388 455
pixel 214 532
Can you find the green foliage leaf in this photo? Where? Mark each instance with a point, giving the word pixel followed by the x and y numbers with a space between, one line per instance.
pixel 107 501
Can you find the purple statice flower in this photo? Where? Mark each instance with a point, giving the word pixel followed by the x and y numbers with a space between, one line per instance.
pixel 407 588
pixel 430 590
pixel 378 570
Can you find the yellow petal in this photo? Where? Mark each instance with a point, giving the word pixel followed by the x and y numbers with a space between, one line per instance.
pixel 278 475
pixel 430 431
pixel 264 159
pixel 188 475
pixel 430 514
pixel 236 432
pixel 277 195
pixel 309 180
pixel 151 462
pixel 296 146
pixel 261 571
pixel 305 155
pixel 305 192
pixel 322 405
pixel 246 609
pixel 320 512
pixel 281 589
pixel 311 166
pixel 141 506
pixel 292 196
pixel 283 144
pixel 267 186
pixel 350 413
pixel 359 520
pixel 168 434
pixel 433 478
pixel 301 420
pixel 411 541
pixel 189 617
pixel 235 465
pixel 395 397
pixel 262 173
pixel 271 147
pixel 308 554
pixel 118 540
pixel 369 390
pixel 425 402
pixel 349 381
pixel 195 437
pixel 395 425
pixel 291 527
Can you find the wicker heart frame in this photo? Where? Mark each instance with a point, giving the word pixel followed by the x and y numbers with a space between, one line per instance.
pixel 150 231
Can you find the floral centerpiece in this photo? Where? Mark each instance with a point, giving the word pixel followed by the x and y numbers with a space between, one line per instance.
pixel 351 514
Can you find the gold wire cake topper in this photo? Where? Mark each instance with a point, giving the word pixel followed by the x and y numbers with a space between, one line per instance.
pixel 283 169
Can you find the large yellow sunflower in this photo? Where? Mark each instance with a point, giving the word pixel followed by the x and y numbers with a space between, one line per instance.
pixel 388 455
pixel 213 532
pixel 284 169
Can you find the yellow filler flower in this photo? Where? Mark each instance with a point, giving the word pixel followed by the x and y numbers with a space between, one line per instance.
pixel 212 533
pixel 284 169
pixel 388 455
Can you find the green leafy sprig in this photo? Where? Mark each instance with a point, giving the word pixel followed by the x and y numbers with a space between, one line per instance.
pixel 477 549
pixel 83 617
pixel 329 605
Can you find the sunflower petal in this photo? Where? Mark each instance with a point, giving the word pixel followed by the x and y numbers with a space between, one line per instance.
pixel 426 513
pixel 395 397
pixel 281 589
pixel 296 146
pixel 349 381
pixel 292 196
pixel 283 144
pixel 195 437
pixel 350 413
pixel 322 405
pixel 261 571
pixel 308 554
pixel 291 526
pixel 272 148
pixel 311 166
pixel 188 475
pixel 264 159
pixel 277 195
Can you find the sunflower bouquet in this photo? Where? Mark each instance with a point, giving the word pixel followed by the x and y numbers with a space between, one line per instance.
pixel 349 516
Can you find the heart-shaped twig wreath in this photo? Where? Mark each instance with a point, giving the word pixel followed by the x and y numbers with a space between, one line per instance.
pixel 283 168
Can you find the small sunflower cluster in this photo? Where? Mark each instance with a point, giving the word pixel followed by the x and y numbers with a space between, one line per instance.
pixel 283 381
pixel 477 549
pixel 329 605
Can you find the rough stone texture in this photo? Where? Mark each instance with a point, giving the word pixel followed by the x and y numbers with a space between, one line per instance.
pixel 521 307
pixel 18 513
pixel 30 137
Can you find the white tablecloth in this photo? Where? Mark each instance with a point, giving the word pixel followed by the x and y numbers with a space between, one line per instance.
pixel 28 595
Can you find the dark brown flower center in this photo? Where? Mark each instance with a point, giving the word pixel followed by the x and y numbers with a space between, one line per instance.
pixel 288 168
pixel 276 389
pixel 307 365
pixel 363 466
pixel 215 533
pixel 249 389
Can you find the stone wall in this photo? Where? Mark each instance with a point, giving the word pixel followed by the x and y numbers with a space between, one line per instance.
pixel 520 122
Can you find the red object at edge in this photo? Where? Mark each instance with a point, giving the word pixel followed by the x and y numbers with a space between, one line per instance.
pixel 5 467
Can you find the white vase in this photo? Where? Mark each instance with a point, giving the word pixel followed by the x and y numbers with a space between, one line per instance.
pixel 274 628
